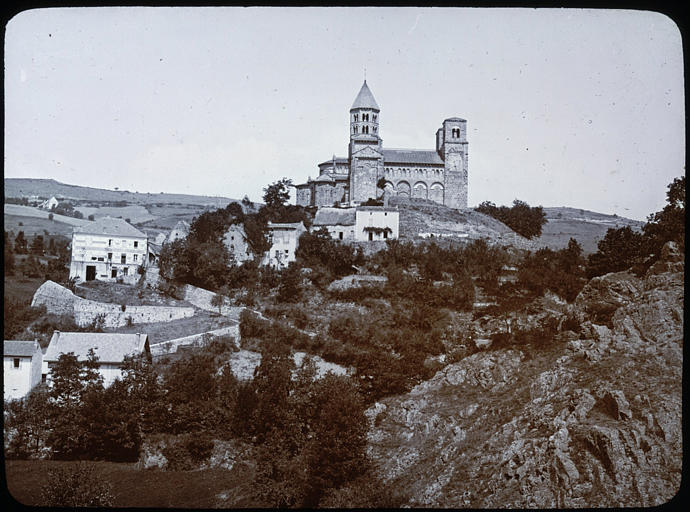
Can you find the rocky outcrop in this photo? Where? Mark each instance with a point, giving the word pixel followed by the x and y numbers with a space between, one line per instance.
pixel 591 420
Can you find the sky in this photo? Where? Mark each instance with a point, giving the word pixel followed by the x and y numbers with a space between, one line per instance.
pixel 564 107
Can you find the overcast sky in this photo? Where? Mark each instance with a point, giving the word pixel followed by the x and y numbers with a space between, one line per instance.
pixel 581 108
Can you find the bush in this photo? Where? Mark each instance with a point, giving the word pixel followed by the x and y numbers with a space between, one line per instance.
pixel 521 218
pixel 76 486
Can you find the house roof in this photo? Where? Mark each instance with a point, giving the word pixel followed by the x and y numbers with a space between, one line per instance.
pixel 365 99
pixel 411 156
pixel 109 226
pixel 109 347
pixel 20 348
pixel 286 225
pixel 182 225
pixel 334 217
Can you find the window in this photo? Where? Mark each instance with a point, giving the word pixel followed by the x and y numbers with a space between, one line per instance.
pixel 136 244
pixel 355 118
pixel 371 236
pixel 100 259
pixel 110 256
pixel 374 117
pixel 365 129
pixel 340 235
pixel 385 234
pixel 44 378
pixel 355 129
pixel 456 133
pixel 110 242
pixel 232 238
pixel 365 117
pixel 16 362
pixel 135 257
pixel 124 270
pixel 374 129
pixel 93 258
pixel 123 258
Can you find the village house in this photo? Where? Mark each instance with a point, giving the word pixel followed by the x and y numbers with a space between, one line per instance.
pixel 49 204
pixel 108 249
pixel 22 361
pixel 181 230
pixel 358 224
pixel 235 240
pixel 284 242
pixel 110 349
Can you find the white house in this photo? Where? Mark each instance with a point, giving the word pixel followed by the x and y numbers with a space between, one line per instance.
pixel 284 242
pixel 110 348
pixel 108 249
pixel 181 230
pixel 49 204
pixel 376 223
pixel 22 362
pixel 358 224
pixel 235 240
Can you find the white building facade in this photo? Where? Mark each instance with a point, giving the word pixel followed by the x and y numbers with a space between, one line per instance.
pixel 22 361
pixel 284 242
pixel 359 224
pixel 108 249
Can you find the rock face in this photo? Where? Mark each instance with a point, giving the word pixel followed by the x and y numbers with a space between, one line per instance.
pixel 589 421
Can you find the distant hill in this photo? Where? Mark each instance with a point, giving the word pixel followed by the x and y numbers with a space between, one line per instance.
pixel 26 187
pixel 422 219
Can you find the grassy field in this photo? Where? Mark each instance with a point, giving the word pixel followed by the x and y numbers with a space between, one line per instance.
pixel 132 487
pixel 32 226
pixel 21 289
pixel 135 213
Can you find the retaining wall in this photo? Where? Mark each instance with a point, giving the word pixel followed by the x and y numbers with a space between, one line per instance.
pixel 170 346
pixel 59 300
pixel 201 298
pixel 86 311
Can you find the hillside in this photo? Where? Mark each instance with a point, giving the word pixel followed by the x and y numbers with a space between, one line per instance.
pixel 420 219
pixel 590 419
pixel 25 187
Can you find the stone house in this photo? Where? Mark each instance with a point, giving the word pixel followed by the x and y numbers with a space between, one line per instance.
pixel 235 240
pixel 110 348
pixel 284 242
pixel 22 361
pixel 49 204
pixel 439 175
pixel 108 249
pixel 181 230
pixel 359 224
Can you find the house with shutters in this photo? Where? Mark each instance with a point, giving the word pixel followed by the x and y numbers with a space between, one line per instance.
pixel 108 249
pixel 21 372
pixel 235 241
pixel 111 349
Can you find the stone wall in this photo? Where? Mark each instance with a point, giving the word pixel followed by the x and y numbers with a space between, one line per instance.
pixel 170 346
pixel 201 298
pixel 86 312
pixel 56 298
pixel 60 301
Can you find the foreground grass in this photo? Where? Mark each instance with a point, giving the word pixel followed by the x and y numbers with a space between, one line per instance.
pixel 132 487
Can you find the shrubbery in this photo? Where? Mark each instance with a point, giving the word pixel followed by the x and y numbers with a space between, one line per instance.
pixel 521 217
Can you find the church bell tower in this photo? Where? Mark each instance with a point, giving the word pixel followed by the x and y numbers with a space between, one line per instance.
pixel 365 150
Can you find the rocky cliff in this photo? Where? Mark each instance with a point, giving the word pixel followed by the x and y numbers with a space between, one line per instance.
pixel 588 419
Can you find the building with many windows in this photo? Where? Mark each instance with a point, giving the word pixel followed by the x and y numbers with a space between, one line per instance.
pixel 439 175
pixel 108 249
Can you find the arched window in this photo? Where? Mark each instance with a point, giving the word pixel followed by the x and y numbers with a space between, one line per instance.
pixel 355 128
pixel 456 133
pixel 365 129
pixel 355 118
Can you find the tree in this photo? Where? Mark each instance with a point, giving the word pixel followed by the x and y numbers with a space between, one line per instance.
pixel 277 193
pixel 247 203
pixel 669 223
pixel 218 300
pixel 26 424
pixel 51 216
pixel 20 243
pixel 37 245
pixel 620 249
pixel 521 218
pixel 92 217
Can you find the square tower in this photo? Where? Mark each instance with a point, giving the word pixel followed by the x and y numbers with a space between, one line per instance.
pixel 451 145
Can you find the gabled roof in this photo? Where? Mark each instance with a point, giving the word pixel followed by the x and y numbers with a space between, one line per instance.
pixel 365 99
pixel 109 226
pixel 411 156
pixel 334 217
pixel 109 347
pixel 20 348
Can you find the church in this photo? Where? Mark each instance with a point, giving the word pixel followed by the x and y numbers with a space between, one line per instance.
pixel 439 175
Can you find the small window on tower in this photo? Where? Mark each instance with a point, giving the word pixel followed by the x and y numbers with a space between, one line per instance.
pixel 365 129
pixel 456 133
pixel 374 129
pixel 355 129
pixel 355 118
pixel 373 116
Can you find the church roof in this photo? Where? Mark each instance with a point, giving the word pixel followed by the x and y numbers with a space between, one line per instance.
pixel 411 156
pixel 365 99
